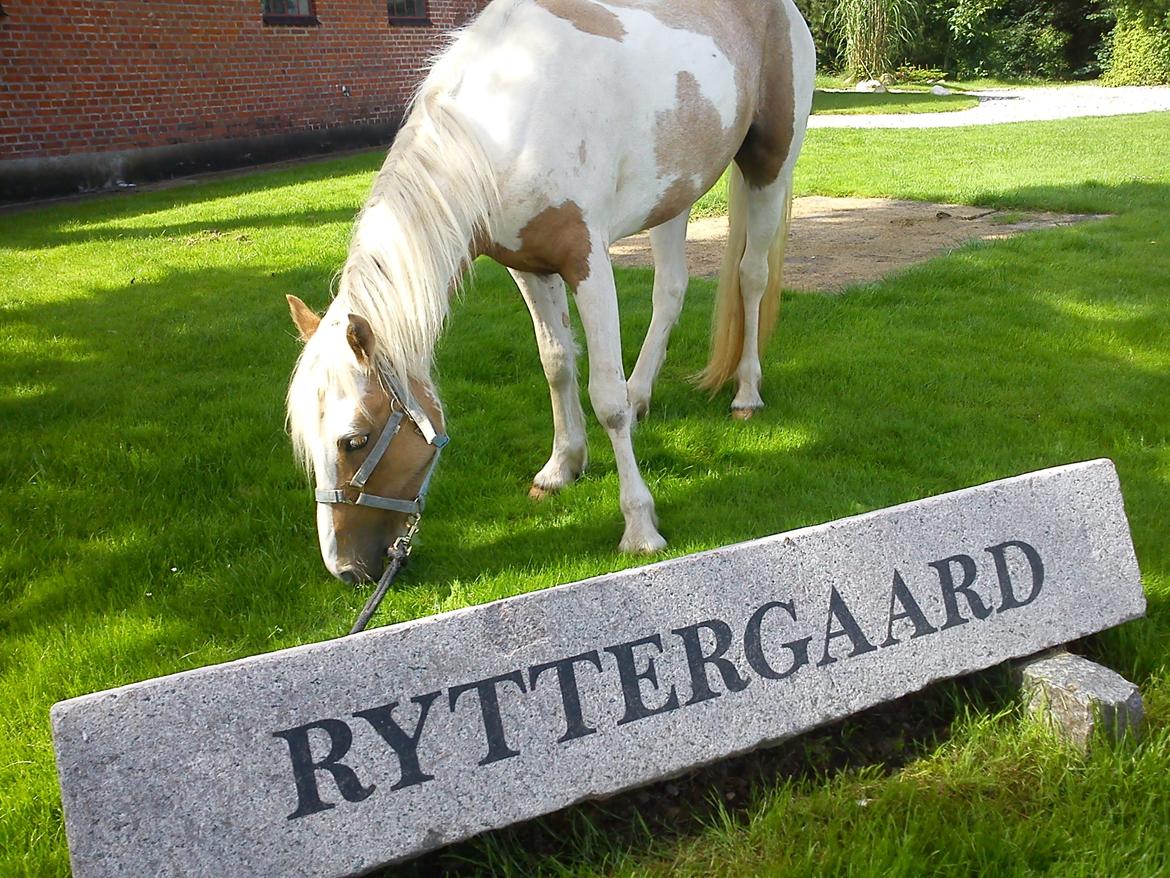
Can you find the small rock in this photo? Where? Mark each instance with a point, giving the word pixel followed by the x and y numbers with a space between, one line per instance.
pixel 871 86
pixel 1079 698
pixel 940 91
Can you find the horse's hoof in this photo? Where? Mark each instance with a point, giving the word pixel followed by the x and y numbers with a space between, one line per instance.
pixel 642 544
pixel 538 493
pixel 743 414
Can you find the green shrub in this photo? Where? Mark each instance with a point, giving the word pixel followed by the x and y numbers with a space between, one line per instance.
pixel 1030 45
pixel 1011 39
pixel 1007 40
pixel 1139 53
pixel 912 73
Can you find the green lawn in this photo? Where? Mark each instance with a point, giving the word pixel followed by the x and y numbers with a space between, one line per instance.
pixel 837 81
pixel 154 520
pixel 851 103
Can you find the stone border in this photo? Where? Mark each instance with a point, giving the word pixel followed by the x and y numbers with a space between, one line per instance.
pixel 48 177
pixel 335 758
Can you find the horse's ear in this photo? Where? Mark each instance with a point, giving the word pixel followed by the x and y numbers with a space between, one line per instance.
pixel 303 316
pixel 360 336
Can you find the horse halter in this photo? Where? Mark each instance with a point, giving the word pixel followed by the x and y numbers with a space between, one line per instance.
pixel 413 508
pixel 400 550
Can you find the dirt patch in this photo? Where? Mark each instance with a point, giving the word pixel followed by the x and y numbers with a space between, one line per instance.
pixel 837 242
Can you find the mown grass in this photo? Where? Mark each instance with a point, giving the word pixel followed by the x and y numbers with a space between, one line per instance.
pixel 837 81
pixel 851 103
pixel 1116 165
pixel 154 520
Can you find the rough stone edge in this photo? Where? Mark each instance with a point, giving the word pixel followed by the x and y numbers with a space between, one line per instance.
pixel 1112 722
pixel 60 709
pixel 540 593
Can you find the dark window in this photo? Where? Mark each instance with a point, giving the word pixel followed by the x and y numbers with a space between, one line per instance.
pixel 289 12
pixel 408 11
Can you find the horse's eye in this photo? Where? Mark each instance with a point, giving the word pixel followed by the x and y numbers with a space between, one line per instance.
pixel 356 443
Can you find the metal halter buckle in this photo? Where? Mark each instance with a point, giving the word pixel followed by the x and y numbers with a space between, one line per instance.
pixel 402 545
pixel 399 551
pixel 436 439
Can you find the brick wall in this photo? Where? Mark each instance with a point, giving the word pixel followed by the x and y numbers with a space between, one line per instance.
pixel 86 76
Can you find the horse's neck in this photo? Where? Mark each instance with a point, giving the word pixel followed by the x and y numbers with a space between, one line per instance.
pixel 433 199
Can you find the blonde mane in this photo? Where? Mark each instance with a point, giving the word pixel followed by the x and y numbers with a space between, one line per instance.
pixel 435 194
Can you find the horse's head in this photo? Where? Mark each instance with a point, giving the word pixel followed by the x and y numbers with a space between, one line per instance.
pixel 369 443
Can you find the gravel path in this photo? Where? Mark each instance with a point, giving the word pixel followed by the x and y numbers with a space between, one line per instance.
pixel 1000 105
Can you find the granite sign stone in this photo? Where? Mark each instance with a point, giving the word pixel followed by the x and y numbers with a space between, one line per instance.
pixel 334 758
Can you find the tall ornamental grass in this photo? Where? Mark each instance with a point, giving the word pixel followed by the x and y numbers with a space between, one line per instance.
pixel 871 33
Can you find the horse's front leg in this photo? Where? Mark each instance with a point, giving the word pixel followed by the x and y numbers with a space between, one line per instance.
pixel 545 296
pixel 597 305
pixel 669 244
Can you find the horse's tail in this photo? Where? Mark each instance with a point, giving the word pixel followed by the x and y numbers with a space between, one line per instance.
pixel 727 321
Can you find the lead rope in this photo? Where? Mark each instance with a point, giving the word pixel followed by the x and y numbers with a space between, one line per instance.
pixel 398 553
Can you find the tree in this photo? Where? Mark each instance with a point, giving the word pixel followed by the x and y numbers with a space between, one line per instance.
pixel 1053 39
pixel 818 14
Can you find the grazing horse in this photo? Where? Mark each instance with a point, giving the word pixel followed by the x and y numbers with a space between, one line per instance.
pixel 547 130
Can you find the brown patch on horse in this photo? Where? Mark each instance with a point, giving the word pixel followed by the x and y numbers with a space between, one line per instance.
pixel 684 136
pixel 766 107
pixel 768 142
pixel 693 126
pixel 736 27
pixel 365 532
pixel 587 16
pixel 679 195
pixel 555 241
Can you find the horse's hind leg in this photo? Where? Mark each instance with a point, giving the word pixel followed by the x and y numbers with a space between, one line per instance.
pixel 545 296
pixel 766 213
pixel 669 244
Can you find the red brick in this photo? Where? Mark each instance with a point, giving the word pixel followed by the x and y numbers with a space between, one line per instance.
pixel 114 76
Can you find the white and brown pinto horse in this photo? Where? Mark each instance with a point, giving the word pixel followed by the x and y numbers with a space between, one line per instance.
pixel 547 130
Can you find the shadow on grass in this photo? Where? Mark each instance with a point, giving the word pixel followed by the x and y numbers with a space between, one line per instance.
pixel 100 218
pixel 191 231
pixel 883 740
pixel 144 432
pixel 849 102
pixel 149 480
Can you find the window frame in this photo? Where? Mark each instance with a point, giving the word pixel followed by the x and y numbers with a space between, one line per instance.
pixel 424 19
pixel 284 20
